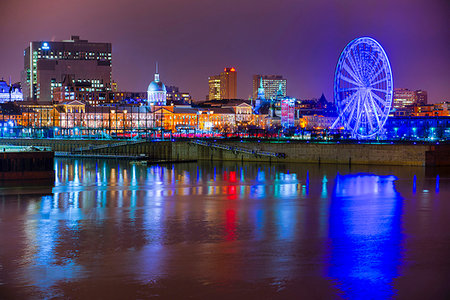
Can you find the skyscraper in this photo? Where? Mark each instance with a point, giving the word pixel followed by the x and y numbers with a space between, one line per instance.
pixel 214 87
pixel 223 86
pixel 46 63
pixel 271 85
pixel 228 84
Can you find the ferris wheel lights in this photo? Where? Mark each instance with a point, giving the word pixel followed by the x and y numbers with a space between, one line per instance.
pixel 363 88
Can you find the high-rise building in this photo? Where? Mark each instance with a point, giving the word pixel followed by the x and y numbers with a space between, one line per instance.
pixel 223 86
pixel 271 85
pixel 214 87
pixel 46 63
pixel 403 98
pixel 422 97
pixel 228 84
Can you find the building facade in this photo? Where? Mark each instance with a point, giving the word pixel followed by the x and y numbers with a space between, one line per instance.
pixel 224 85
pixel 10 92
pixel 271 85
pixel 404 98
pixel 228 84
pixel 214 87
pixel 156 91
pixel 46 63
pixel 83 91
pixel 175 96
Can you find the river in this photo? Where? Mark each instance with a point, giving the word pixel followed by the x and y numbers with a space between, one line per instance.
pixel 108 229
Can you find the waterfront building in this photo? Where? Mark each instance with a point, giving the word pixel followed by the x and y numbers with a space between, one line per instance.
pixel 156 92
pixel 404 98
pixel 431 110
pixel 46 63
pixel 10 92
pixel 10 114
pixel 317 122
pixel 418 128
pixel 224 85
pixel 73 117
pixel 271 85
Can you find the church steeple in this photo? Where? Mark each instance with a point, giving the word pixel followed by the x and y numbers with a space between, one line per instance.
pixel 261 92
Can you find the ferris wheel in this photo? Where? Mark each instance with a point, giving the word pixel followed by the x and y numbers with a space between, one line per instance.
pixel 363 87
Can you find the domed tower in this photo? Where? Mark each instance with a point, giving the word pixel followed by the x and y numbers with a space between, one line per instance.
pixel 156 92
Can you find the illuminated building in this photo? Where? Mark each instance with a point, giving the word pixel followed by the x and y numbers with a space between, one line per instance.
pixel 214 87
pixel 287 112
pixel 73 117
pixel 271 85
pixel 260 97
pixel 83 91
pixel 431 110
pixel 418 128
pixel 228 84
pixel 317 122
pixel 10 92
pixel 175 96
pixel 223 86
pixel 404 98
pixel 46 63
pixel 10 114
pixel 156 92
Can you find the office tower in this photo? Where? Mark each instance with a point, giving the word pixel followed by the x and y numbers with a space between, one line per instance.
pixel 224 85
pixel 271 85
pixel 46 64
pixel 228 84
pixel 214 87
pixel 403 98
pixel 422 97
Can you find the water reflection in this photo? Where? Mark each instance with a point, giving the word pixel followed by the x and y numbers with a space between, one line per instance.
pixel 365 233
pixel 262 229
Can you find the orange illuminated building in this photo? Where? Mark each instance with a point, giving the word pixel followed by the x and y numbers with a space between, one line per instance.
pixel 223 86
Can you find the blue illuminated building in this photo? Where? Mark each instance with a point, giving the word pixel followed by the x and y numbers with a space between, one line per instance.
pixel 418 128
pixel 10 92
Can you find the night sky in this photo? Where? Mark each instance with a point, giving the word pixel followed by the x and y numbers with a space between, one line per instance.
pixel 192 39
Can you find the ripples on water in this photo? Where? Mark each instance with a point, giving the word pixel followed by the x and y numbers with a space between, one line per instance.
pixel 114 230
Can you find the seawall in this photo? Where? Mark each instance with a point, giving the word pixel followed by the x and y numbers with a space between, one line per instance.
pixel 370 154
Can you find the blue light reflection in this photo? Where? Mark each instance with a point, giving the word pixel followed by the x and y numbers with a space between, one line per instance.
pixel 365 234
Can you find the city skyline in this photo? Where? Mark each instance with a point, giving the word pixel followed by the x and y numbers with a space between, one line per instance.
pixel 307 40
